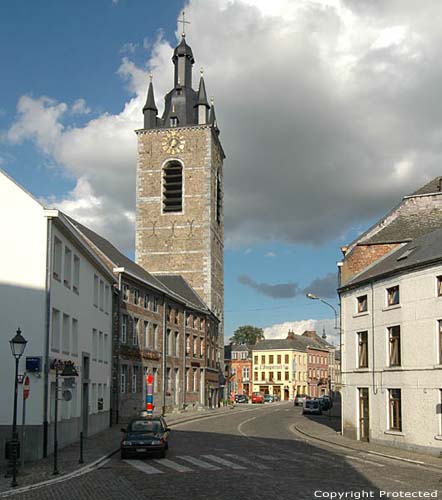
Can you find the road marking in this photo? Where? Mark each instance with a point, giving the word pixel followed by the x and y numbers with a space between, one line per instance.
pixel 397 458
pixel 247 461
pixel 173 465
pixel 225 462
pixel 199 463
pixel 364 461
pixel 143 467
pixel 242 423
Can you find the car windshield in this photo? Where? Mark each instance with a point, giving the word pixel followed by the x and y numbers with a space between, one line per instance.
pixel 145 426
pixel 311 404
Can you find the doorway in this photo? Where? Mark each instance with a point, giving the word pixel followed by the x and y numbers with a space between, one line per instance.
pixel 85 395
pixel 364 416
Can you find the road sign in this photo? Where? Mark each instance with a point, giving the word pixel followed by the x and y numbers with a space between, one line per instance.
pixel 149 394
pixel 26 387
pixel 150 379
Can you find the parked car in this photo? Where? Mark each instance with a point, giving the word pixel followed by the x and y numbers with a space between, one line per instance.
pixel 241 398
pixel 268 398
pixel 300 398
pixel 325 403
pixel 311 407
pixel 257 397
pixel 145 436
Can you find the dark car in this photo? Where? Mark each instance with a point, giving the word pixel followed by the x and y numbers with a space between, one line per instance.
pixel 268 398
pixel 311 407
pixel 145 436
pixel 325 403
pixel 241 398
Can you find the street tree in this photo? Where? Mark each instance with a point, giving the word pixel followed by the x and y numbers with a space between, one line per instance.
pixel 247 334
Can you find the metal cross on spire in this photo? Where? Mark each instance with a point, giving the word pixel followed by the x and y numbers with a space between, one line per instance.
pixel 184 22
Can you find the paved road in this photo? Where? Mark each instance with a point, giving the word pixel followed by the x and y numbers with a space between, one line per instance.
pixel 252 455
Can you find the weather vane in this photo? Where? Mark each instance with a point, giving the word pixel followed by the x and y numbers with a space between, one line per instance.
pixel 184 22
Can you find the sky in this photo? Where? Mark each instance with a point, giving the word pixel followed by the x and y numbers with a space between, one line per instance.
pixel 329 112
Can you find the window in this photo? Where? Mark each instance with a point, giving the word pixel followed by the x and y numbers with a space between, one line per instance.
pixel 271 359
pixel 125 293
pixel 271 376
pixel 263 376
pixel 147 340
pixel 136 296
pixel 263 360
pixel 155 304
pixel 94 344
pixel 173 121
pixel 169 343
pixel 67 274
pixel 95 290
pixel 187 344
pixel 255 360
pixel 245 373
pixel 279 359
pixel 55 337
pixel 74 337
pixel 76 278
pixel 394 338
pixel 146 301
pixel 362 349
pixel 393 295
pixel 101 295
pixel 66 334
pixel 154 336
pixel 106 353
pixel 286 375
pixel 106 299
pixel 173 187
pixel 439 324
pixel 286 359
pixel 362 304
pixel 135 332
pixel 56 271
pixel 439 286
pixel 177 344
pixel 395 423
pixel 440 412
pixel 194 344
pixel 278 375
pixel 123 337
pixel 100 347
pixel 123 379
pixel 218 198
pixel 255 376
pixel 135 370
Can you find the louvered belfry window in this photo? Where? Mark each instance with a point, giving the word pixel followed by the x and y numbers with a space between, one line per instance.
pixel 173 188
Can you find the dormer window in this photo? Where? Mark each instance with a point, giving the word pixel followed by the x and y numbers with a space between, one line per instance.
pixel 174 121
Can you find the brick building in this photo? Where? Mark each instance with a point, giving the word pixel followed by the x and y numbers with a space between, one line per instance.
pixel 319 354
pixel 241 367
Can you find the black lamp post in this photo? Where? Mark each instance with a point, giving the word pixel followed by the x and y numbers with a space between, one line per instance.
pixel 18 345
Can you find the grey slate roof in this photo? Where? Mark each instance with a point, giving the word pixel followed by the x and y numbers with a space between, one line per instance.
pixel 240 347
pixel 420 252
pixel 434 186
pixel 150 101
pixel 179 285
pixel 299 343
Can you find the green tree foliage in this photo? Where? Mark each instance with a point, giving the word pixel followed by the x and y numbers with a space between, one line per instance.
pixel 247 334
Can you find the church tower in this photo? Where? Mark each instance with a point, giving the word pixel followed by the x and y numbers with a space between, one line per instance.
pixel 179 206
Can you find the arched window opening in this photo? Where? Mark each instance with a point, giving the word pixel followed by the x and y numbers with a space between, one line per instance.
pixel 218 198
pixel 173 187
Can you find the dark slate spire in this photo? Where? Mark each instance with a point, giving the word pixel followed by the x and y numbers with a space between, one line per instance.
pixel 183 61
pixel 202 103
pixel 150 110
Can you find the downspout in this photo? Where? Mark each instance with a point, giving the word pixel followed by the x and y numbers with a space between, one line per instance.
pixel 47 333
pixel 184 360
pixel 164 356
pixel 375 391
pixel 118 363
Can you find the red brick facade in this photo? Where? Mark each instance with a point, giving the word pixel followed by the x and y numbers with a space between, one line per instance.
pixel 318 371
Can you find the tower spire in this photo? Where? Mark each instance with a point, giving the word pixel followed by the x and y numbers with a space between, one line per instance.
pixel 150 110
pixel 202 104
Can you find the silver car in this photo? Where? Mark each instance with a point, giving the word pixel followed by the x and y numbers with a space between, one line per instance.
pixel 311 407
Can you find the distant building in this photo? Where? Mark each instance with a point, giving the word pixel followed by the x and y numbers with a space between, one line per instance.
pixel 241 363
pixel 319 353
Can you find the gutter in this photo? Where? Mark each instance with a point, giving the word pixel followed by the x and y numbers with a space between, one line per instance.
pixel 164 367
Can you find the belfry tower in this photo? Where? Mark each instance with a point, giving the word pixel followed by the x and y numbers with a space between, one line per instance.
pixel 179 206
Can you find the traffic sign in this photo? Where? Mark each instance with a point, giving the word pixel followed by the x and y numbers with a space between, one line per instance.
pixel 26 387
pixel 150 379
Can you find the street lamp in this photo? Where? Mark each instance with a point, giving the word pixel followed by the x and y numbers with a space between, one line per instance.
pixel 312 296
pixel 18 345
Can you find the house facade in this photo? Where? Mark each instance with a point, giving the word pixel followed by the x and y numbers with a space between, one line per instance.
pixel 392 348
pixel 61 299
pixel 241 366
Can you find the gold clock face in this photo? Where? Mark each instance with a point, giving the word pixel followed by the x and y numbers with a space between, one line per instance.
pixel 173 142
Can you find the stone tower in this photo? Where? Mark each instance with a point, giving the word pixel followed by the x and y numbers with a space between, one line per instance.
pixel 179 207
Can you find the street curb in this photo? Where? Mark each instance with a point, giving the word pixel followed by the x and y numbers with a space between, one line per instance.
pixel 391 457
pixel 97 463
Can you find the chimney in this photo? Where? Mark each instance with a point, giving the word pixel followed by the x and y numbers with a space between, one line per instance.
pixel 291 335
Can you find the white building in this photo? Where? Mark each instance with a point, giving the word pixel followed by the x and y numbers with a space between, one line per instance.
pixel 392 348
pixel 60 294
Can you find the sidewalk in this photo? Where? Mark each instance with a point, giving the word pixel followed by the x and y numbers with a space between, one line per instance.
pixel 95 449
pixel 327 429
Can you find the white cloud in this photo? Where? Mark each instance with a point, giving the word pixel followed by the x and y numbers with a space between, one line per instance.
pixel 270 254
pixel 329 112
pixel 79 107
pixel 280 330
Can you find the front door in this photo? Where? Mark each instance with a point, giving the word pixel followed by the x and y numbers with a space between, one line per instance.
pixel 364 420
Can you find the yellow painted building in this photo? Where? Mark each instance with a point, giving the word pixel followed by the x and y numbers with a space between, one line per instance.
pixel 279 367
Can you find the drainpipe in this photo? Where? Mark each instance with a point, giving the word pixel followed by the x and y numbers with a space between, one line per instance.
pixel 117 343
pixel 375 391
pixel 184 359
pixel 47 333
pixel 164 356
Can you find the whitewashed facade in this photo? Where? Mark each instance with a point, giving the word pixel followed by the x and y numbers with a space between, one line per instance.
pixel 392 354
pixel 60 295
